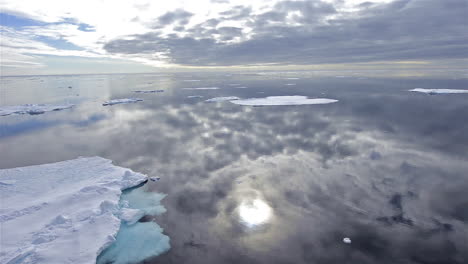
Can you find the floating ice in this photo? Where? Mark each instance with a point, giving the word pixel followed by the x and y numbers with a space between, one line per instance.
pixel 283 100
pixel 202 88
pixel 32 109
pixel 290 84
pixel 241 87
pixel 347 240
pixel 234 84
pixel 191 80
pixel 222 99
pixel 195 96
pixel 67 212
pixel 149 91
pixel 122 101
pixel 292 78
pixel 137 241
pixel 437 91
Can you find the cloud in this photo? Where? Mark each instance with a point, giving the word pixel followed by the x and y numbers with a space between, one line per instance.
pixel 224 33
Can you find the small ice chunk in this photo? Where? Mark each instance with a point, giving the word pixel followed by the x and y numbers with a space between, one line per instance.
pixel 290 84
pixel 195 96
pixel 283 100
pixel 222 99
pixel 201 88
pixel 438 91
pixel 191 80
pixel 148 91
pixel 292 78
pixel 154 178
pixel 347 240
pixel 32 109
pixel 122 101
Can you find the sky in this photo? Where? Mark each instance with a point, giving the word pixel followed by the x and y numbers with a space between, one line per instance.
pixel 117 36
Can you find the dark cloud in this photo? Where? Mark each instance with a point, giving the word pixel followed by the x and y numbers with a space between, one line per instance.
pixel 179 16
pixel 304 32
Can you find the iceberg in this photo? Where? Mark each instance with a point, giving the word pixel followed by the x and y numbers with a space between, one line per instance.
pixel 438 91
pixel 222 99
pixel 32 109
pixel 283 100
pixel 71 211
pixel 148 91
pixel 122 101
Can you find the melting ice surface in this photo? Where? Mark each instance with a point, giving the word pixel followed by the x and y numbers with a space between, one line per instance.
pixel 137 241
pixel 283 100
pixel 69 211
pixel 438 91
pixel 32 109
pixel 122 101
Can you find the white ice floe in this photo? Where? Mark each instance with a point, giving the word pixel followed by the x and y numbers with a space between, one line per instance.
pixel 241 87
pixel 290 84
pixel 149 91
pixel 32 109
pixel 438 91
pixel 347 240
pixel 292 78
pixel 69 211
pixel 222 99
pixel 195 96
pixel 283 100
pixel 191 80
pixel 122 101
pixel 202 88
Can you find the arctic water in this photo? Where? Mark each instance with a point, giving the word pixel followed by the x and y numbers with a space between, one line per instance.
pixel 379 176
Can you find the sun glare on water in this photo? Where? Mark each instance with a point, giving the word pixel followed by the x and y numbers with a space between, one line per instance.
pixel 254 213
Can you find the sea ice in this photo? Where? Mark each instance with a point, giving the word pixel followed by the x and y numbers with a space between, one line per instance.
pixel 149 91
pixel 32 109
pixel 283 100
pixel 438 91
pixel 195 96
pixel 202 88
pixel 137 241
pixel 70 211
pixel 122 101
pixel 222 99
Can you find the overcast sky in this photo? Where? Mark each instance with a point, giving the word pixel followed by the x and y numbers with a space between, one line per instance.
pixel 50 36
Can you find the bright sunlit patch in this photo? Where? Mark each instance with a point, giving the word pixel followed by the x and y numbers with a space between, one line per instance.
pixel 254 213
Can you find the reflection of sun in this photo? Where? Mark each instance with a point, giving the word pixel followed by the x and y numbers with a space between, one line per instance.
pixel 254 212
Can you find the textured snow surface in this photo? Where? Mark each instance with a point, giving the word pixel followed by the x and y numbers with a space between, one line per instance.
pixel 32 109
pixel 283 100
pixel 222 99
pixel 64 212
pixel 437 91
pixel 122 101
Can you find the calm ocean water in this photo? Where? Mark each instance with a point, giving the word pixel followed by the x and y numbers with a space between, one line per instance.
pixel 378 177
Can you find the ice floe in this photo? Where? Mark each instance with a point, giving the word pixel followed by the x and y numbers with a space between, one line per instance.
pixel 32 109
pixel 122 101
pixel 70 211
pixel 222 99
pixel 347 240
pixel 202 88
pixel 290 84
pixel 195 96
pixel 283 100
pixel 438 91
pixel 148 91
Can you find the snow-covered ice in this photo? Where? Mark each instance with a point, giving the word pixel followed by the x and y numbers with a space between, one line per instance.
pixel 202 88
pixel 222 99
pixel 148 91
pixel 122 101
pixel 70 211
pixel 438 91
pixel 32 109
pixel 283 100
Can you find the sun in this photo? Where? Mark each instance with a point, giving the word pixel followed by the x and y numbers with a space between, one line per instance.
pixel 255 212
